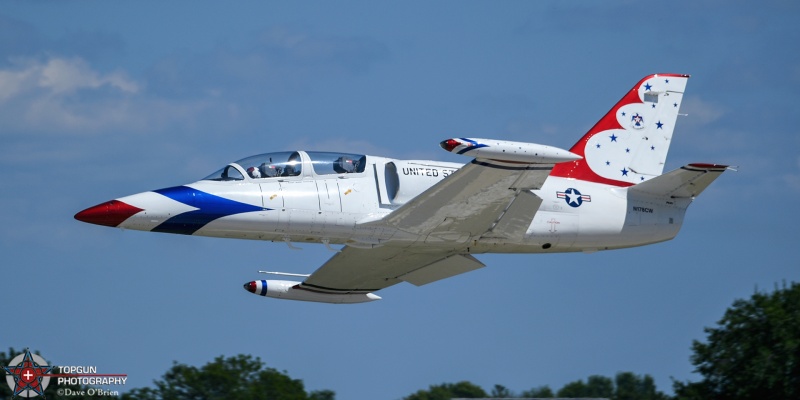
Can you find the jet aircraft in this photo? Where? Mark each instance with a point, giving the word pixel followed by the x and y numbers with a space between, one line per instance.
pixel 421 221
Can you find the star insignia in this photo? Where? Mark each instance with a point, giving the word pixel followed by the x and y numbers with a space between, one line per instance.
pixel 613 137
pixel 647 86
pixel 659 125
pixel 624 172
pixel 573 196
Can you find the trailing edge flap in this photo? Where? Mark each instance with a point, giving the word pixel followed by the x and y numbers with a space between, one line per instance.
pixel 686 182
pixel 444 268
pixel 517 217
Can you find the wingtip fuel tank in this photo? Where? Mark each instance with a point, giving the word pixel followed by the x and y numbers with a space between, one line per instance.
pixel 292 290
pixel 504 150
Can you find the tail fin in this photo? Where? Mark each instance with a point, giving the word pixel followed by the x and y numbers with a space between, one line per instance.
pixel 629 144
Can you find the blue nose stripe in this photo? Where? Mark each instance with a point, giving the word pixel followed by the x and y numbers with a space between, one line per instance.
pixel 209 207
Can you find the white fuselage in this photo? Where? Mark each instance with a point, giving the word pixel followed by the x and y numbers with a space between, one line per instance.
pixel 421 221
pixel 329 208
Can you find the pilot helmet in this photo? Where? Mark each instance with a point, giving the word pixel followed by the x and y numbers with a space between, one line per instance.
pixel 268 170
pixel 254 172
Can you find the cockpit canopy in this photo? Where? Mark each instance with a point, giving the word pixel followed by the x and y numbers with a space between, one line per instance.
pixel 288 164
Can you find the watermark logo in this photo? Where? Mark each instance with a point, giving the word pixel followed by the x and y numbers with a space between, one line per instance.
pixel 28 375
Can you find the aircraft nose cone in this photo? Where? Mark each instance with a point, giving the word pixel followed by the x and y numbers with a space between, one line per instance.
pixel 250 287
pixel 111 213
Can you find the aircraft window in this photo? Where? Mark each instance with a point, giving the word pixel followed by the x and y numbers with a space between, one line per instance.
pixel 269 165
pixel 226 173
pixel 337 163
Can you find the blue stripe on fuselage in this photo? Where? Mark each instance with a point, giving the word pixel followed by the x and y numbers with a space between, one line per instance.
pixel 210 207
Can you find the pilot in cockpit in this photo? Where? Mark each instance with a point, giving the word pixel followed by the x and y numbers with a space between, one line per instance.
pixel 293 166
pixel 269 170
pixel 345 165
pixel 254 172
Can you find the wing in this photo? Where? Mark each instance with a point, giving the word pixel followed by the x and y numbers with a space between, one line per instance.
pixel 355 270
pixel 469 203
pixel 486 198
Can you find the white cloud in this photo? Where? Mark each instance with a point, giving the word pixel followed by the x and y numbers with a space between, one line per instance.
pixel 63 76
pixel 58 77
pixel 13 82
pixel 66 95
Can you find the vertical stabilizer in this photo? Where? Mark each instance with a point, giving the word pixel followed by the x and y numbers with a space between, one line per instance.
pixel 629 144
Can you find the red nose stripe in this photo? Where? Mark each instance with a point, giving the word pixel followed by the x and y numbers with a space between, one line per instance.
pixel 111 213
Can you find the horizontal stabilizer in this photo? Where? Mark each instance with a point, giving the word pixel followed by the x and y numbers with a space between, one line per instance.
pixel 685 182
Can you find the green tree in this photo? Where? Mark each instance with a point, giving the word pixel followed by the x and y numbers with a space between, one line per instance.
pixel 501 391
pixel 238 377
pixel 447 391
pixel 539 392
pixel 629 386
pixel 624 386
pixel 596 386
pixel 752 353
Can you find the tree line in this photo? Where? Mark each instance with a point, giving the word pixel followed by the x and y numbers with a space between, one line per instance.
pixel 752 353
pixel 625 386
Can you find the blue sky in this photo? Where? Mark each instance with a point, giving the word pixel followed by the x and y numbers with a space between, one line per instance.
pixel 103 99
